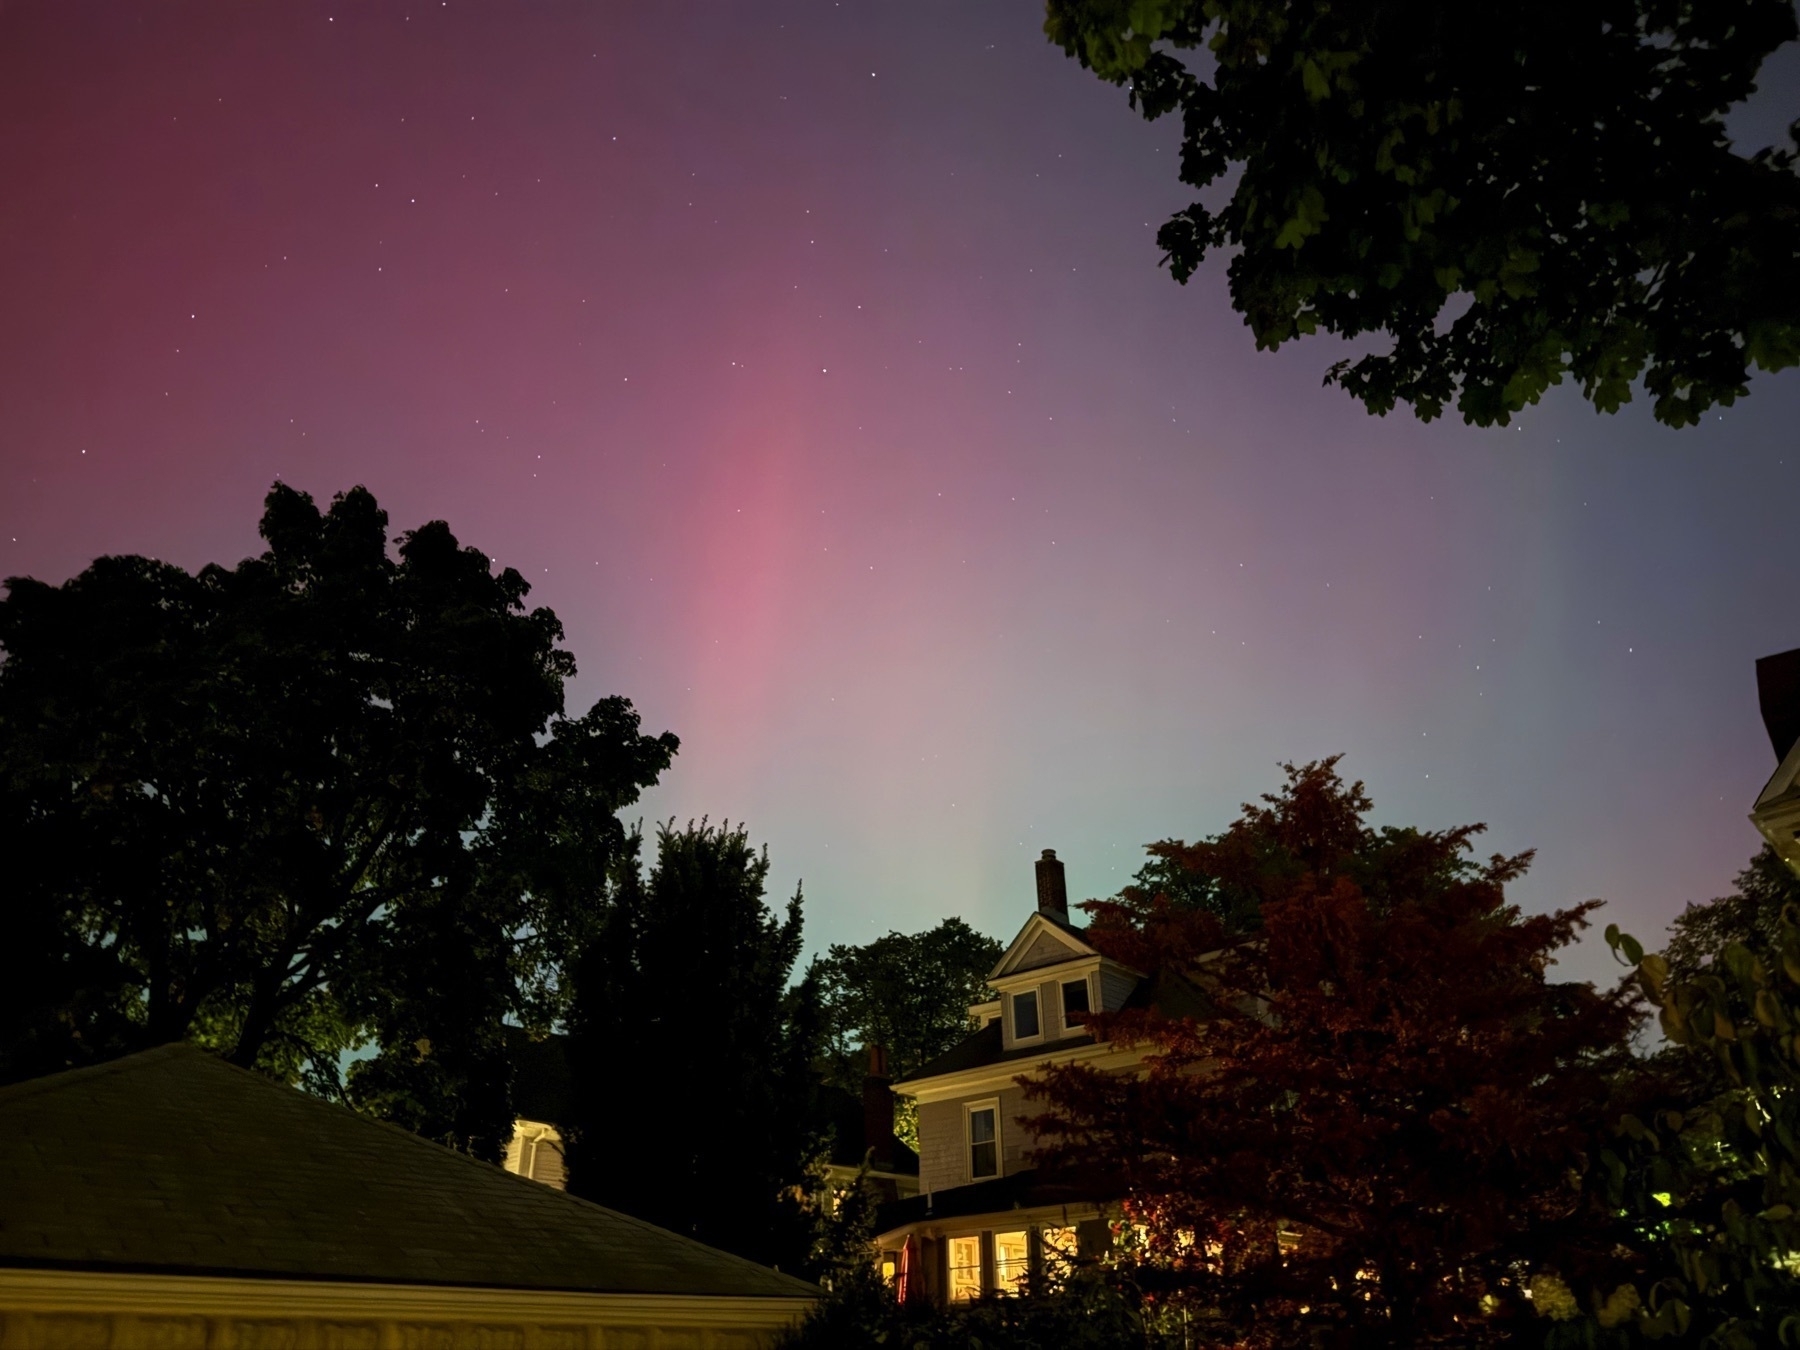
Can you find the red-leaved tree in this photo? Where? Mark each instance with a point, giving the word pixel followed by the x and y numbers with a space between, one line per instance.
pixel 1379 1137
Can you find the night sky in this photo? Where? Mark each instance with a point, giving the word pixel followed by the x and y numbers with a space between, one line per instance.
pixel 814 364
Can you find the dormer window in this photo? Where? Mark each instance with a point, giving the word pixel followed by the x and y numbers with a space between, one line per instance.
pixel 1025 1016
pixel 1074 1000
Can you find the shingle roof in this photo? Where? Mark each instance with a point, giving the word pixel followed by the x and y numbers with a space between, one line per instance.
pixel 1166 992
pixel 174 1161
pixel 985 1047
pixel 1029 1189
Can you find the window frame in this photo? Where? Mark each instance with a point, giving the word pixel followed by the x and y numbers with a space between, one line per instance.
pixel 969 1141
pixel 952 1267
pixel 1062 993
pixel 1008 1280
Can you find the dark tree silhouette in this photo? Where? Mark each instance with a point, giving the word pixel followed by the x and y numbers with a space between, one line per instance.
pixel 1750 915
pixel 909 992
pixel 325 799
pixel 691 1054
pixel 1512 195
pixel 1372 1139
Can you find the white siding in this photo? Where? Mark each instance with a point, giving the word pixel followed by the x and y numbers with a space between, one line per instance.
pixel 1050 1000
pixel 1014 1141
pixel 1114 989
pixel 944 1151
pixel 1045 951
pixel 941 1163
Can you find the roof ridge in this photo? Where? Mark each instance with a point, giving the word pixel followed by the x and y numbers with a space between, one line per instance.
pixel 143 1059
pixel 81 1073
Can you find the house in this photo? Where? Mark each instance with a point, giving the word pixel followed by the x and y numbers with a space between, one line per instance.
pixel 862 1130
pixel 985 1216
pixel 541 1103
pixel 1776 813
pixel 169 1201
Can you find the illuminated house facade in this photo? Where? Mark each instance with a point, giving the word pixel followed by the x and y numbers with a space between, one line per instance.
pixel 985 1217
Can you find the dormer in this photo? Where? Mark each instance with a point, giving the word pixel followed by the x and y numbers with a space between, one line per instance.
pixel 1049 976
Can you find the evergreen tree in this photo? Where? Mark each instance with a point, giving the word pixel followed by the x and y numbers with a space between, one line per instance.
pixel 691 1052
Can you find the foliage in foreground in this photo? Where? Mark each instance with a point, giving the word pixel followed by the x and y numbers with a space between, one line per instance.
pixel 1404 1134
pixel 1511 194
pixel 1713 1177
pixel 1090 1312
pixel 1381 1125
pixel 326 799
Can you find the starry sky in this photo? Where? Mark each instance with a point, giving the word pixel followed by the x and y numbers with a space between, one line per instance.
pixel 814 364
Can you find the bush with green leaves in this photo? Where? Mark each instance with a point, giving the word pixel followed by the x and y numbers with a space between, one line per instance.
pixel 1711 1177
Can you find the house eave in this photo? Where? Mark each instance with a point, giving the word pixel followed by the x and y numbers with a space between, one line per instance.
pixel 26 1289
pixel 1095 1054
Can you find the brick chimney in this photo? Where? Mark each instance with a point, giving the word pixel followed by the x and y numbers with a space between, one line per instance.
pixel 878 1110
pixel 1052 887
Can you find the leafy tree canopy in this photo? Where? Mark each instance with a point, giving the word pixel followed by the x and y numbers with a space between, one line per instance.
pixel 1709 1169
pixel 691 1051
pixel 326 799
pixel 1750 916
pixel 1314 829
pixel 908 992
pixel 1512 195
pixel 1378 1132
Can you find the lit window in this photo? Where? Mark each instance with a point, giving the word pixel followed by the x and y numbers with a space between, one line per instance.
pixel 1012 1262
pixel 1075 999
pixel 1059 1251
pixel 965 1269
pixel 1025 1016
pixel 984 1142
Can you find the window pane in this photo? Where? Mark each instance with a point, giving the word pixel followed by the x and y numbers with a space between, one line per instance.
pixel 984 1152
pixel 1075 998
pixel 965 1269
pixel 1012 1261
pixel 1025 1018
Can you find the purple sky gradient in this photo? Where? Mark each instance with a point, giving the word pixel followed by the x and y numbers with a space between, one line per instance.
pixel 814 364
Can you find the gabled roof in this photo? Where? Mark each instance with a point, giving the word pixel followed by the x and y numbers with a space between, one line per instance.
pixel 1044 941
pixel 173 1161
pixel 1778 698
